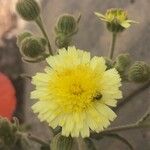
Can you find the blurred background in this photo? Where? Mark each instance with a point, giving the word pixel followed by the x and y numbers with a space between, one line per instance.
pixel 92 36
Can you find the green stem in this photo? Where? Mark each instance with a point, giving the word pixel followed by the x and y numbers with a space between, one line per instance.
pixel 112 48
pixel 41 26
pixel 120 128
pixel 120 138
pixel 126 127
pixel 144 117
pixel 37 140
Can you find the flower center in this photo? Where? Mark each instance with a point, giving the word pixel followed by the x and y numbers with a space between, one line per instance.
pixel 76 89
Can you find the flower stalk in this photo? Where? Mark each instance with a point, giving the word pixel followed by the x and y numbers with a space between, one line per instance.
pixel 120 128
pixel 37 140
pixel 113 43
pixel 39 22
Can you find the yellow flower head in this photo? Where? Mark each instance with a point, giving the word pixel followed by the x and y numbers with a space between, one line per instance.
pixel 75 92
pixel 116 19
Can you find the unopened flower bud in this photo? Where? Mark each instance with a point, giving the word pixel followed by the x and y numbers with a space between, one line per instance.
pixel 63 41
pixel 29 10
pixel 139 72
pixel 32 47
pixel 108 62
pixel 60 142
pixel 22 36
pixel 122 62
pixel 66 24
pixel 43 41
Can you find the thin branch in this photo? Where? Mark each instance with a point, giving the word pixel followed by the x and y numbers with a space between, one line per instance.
pixel 113 43
pixel 25 76
pixel 120 138
pixel 120 128
pixel 126 127
pixel 37 140
pixel 132 95
pixel 41 26
pixel 145 116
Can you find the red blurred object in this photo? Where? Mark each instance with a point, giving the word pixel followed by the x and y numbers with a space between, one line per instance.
pixel 7 97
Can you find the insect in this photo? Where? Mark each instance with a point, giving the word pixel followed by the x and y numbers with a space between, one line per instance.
pixel 98 96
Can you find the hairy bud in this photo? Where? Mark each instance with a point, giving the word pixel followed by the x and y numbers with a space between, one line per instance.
pixel 139 72
pixel 66 24
pixel 32 47
pixel 22 36
pixel 108 62
pixel 29 10
pixel 122 62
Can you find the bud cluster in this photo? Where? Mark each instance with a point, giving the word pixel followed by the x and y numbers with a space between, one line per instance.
pixel 137 72
pixel 31 47
pixel 12 136
pixel 122 64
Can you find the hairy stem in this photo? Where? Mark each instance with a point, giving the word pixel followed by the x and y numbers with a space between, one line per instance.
pixel 145 116
pixel 120 128
pixel 41 26
pixel 120 138
pixel 112 48
pixel 126 127
pixel 37 140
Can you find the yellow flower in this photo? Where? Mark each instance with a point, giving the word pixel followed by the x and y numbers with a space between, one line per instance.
pixel 116 19
pixel 75 92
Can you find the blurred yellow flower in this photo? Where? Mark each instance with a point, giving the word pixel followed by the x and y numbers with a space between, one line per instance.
pixel 75 92
pixel 116 19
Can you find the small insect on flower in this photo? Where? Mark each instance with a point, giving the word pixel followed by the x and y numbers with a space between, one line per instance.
pixel 75 92
pixel 116 19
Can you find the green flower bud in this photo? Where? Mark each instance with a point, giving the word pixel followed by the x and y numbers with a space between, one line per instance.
pixel 32 47
pixel 108 62
pixel 63 41
pixel 43 41
pixel 22 36
pixel 139 72
pixel 60 142
pixel 29 10
pixel 66 25
pixel 122 62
